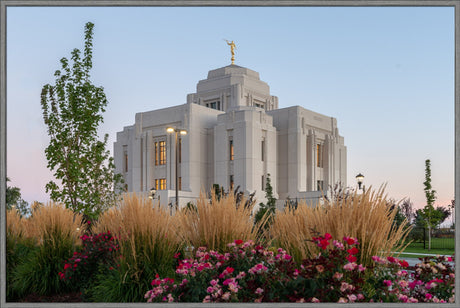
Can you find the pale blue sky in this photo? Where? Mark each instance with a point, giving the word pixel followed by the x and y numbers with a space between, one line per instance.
pixel 386 74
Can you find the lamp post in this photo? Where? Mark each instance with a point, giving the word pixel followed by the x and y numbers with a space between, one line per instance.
pixel 152 194
pixel 360 179
pixel 177 131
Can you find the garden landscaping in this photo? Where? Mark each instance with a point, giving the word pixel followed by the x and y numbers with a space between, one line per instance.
pixel 214 252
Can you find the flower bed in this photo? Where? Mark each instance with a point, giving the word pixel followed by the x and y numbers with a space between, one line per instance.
pixel 247 272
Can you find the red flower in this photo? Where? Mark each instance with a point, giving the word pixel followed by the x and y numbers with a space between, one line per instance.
pixel 229 269
pixel 327 236
pixel 353 250
pixel 238 242
pixel 177 255
pixel 323 244
pixel 391 259
pixel 351 259
pixel 350 241
pixel 403 263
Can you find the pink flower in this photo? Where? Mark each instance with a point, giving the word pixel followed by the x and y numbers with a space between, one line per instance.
pixel 361 268
pixel 403 283
pixel 210 289
pixel 338 276
pixel 327 236
pixel 387 283
pixel 320 268
pixel 342 300
pixel 352 297
pixel 287 257
pixel 226 296
pixel 338 244
pixel 428 296
pixel 350 266
pixel 207 299
pixel 315 300
pixel 403 298
pixel 259 291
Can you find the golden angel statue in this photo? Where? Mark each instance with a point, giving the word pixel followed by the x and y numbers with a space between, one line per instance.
pixel 232 49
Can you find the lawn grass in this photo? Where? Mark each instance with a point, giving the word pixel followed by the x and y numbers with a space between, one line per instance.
pixel 417 247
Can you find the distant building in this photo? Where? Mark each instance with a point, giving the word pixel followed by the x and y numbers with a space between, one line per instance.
pixel 236 136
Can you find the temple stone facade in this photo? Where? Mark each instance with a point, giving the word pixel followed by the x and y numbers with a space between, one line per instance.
pixel 236 136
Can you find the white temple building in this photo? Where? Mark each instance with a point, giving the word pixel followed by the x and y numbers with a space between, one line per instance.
pixel 236 136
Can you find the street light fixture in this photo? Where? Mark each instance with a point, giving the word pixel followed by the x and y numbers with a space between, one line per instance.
pixel 360 179
pixel 152 194
pixel 176 131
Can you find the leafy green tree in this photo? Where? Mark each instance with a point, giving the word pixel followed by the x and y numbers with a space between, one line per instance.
pixel 72 111
pixel 431 216
pixel 270 207
pixel 13 195
pixel 14 199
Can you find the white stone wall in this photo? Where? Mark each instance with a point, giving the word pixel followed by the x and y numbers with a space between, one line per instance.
pixel 290 137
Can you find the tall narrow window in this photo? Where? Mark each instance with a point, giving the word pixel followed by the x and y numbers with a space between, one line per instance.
pixel 180 150
pixel 263 183
pixel 262 150
pixel 125 159
pixel 156 154
pixel 320 185
pixel 231 149
pixel 319 155
pixel 156 185
pixel 162 150
pixel 179 182
pixel 231 181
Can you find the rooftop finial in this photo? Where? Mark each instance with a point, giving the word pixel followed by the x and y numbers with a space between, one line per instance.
pixel 232 50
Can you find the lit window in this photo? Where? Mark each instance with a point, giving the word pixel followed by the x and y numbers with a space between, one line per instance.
pixel 179 183
pixel 156 153
pixel 160 184
pixel 162 152
pixel 319 155
pixel 231 149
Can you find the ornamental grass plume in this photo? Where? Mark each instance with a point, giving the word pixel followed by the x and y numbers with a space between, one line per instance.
pixel 15 227
pixel 140 227
pixel 147 240
pixel 53 222
pixel 215 223
pixel 366 217
pixel 51 233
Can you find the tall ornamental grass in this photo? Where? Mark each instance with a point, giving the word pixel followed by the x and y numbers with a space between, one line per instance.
pixel 54 232
pixel 366 217
pixel 216 222
pixel 148 242
pixel 17 248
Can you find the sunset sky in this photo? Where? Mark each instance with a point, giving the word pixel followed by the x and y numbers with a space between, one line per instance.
pixel 385 73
